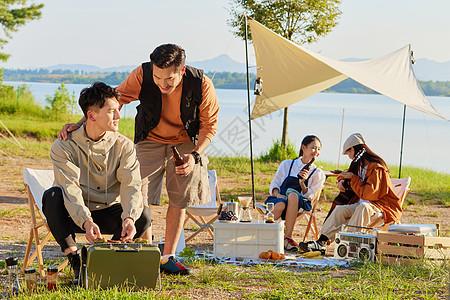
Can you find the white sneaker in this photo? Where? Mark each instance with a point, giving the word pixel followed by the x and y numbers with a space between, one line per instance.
pixel 290 244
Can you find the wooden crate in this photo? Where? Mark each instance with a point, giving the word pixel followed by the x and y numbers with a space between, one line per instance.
pixel 396 246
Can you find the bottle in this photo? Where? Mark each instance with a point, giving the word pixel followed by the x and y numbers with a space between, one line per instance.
pixel 30 278
pixel 308 165
pixel 11 266
pixel 52 278
pixel 177 159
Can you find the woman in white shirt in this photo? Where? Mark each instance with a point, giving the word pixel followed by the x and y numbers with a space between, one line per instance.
pixel 293 189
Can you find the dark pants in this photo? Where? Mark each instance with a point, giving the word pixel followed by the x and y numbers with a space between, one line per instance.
pixel 108 220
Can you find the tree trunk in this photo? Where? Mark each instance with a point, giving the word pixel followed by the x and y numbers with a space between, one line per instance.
pixel 285 126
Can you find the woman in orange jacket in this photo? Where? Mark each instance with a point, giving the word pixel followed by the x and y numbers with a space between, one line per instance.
pixel 371 183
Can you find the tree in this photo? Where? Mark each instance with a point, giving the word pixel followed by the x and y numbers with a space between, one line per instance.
pixel 13 14
pixel 300 21
pixel 62 104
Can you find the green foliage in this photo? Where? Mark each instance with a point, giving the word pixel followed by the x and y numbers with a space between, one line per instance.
pixel 126 127
pixel 62 104
pixel 187 252
pixel 426 183
pixel 32 126
pixel 277 153
pixel 301 21
pixel 19 101
pixel 238 166
pixel 436 88
pixel 13 14
pixel 228 80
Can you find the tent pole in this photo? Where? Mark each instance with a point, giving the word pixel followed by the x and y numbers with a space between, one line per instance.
pixel 249 115
pixel 340 139
pixel 401 146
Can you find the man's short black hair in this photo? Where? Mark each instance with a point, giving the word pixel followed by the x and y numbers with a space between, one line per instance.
pixel 168 55
pixel 96 96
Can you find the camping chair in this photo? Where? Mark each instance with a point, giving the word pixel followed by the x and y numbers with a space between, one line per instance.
pixel 310 217
pixel 401 189
pixel 36 183
pixel 199 212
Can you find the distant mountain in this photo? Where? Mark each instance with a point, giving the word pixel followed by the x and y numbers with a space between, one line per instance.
pixel 425 69
pixel 221 63
pixel 89 68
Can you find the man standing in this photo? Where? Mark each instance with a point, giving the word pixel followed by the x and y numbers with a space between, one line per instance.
pixel 97 186
pixel 178 107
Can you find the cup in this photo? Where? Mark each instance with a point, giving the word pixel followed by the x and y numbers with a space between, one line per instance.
pixel 261 218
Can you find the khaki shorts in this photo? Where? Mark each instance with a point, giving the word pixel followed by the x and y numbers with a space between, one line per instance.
pixel 156 160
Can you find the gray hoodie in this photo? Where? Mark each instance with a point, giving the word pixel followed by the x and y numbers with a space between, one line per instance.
pixel 94 175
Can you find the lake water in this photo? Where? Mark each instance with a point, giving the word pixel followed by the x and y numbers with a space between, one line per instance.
pixel 378 118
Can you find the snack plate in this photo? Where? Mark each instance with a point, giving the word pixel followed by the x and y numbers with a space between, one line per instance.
pixel 228 221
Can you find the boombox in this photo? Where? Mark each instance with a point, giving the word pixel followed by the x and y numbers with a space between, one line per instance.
pixel 355 245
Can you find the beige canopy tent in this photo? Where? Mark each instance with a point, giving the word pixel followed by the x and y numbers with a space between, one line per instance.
pixel 291 73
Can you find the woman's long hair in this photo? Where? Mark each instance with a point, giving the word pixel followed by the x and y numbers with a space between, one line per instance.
pixel 368 156
pixel 308 140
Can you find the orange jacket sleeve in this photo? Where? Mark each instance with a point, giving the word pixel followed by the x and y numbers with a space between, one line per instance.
pixel 209 109
pixel 130 88
pixel 374 187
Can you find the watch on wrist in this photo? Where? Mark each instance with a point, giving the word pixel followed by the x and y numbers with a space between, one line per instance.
pixel 196 157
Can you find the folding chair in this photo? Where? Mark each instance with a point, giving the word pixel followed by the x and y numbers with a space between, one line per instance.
pixel 401 189
pixel 36 183
pixel 310 217
pixel 204 210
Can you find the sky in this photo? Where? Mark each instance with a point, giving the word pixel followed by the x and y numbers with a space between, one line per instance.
pixel 109 33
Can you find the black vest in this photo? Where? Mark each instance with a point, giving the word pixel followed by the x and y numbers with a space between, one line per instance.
pixel 149 110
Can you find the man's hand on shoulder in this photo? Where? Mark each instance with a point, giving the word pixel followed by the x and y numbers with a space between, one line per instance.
pixel 92 231
pixel 128 229
pixel 63 133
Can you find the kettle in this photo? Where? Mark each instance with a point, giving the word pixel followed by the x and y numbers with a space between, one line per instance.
pixel 234 207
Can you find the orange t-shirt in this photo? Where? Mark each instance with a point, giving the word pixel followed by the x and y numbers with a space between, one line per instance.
pixel 170 129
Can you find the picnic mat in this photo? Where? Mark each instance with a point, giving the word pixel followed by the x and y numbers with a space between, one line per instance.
pixel 290 261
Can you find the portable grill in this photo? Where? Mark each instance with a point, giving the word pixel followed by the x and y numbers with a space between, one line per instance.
pixel 131 265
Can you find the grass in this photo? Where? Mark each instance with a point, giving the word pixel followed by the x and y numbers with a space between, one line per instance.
pixel 425 280
pixel 14 212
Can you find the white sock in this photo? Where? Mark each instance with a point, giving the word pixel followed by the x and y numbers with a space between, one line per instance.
pixel 164 258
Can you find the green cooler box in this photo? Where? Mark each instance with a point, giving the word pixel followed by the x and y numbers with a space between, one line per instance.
pixel 124 265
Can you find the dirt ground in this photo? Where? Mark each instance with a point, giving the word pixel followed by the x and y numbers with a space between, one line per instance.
pixel 15 219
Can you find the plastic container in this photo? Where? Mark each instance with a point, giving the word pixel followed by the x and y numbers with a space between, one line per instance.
pixel 52 278
pixel 418 229
pixel 30 278
pixel 247 240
